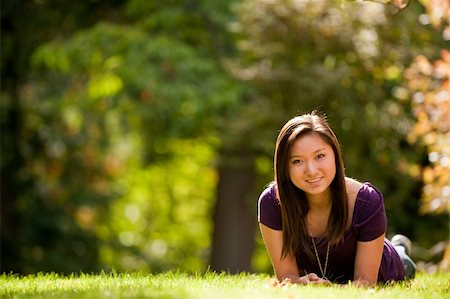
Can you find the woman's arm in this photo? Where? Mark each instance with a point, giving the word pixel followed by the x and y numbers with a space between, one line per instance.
pixel 367 261
pixel 286 268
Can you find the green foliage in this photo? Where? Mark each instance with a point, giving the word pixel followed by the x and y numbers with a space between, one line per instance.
pixel 30 219
pixel 162 222
pixel 111 130
pixel 429 84
pixel 172 88
pixel 345 60
pixel 107 112
pixel 208 285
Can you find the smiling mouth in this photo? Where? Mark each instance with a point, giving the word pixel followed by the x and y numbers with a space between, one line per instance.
pixel 313 180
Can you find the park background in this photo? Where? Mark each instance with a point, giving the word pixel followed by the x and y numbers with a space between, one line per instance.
pixel 137 135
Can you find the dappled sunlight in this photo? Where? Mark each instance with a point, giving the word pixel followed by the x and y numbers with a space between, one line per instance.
pixel 163 210
pixel 104 85
pixel 430 84
pixel 119 118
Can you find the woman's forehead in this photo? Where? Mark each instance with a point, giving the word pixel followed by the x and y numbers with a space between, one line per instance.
pixel 309 143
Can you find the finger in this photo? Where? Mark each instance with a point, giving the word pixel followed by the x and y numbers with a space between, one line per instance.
pixel 303 279
pixel 321 281
pixel 313 276
pixel 325 281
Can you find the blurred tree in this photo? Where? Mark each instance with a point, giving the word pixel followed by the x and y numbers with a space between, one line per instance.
pixel 121 132
pixel 429 83
pixel 92 91
pixel 25 25
pixel 203 26
pixel 345 59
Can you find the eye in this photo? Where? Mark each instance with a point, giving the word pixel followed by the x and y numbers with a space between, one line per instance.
pixel 297 161
pixel 320 156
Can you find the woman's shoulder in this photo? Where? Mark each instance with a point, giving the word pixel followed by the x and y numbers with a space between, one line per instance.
pixel 363 199
pixel 369 217
pixel 369 193
pixel 369 201
pixel 269 212
pixel 361 191
pixel 353 187
pixel 269 193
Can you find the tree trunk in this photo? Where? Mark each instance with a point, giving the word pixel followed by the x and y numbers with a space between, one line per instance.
pixel 10 186
pixel 234 218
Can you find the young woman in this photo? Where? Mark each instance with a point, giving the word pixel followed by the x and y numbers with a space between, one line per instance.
pixel 319 226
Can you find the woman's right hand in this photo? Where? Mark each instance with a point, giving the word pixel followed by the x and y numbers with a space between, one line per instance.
pixel 286 268
pixel 312 278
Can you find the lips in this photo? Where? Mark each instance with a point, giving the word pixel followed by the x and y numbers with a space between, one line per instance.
pixel 314 180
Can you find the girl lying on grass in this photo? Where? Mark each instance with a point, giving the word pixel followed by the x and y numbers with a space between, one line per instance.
pixel 320 226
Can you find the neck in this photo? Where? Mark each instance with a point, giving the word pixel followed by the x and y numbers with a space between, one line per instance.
pixel 320 202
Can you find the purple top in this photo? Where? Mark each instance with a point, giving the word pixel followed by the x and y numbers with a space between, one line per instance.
pixel 368 223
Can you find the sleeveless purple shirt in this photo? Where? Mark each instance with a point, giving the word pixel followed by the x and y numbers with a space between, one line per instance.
pixel 368 223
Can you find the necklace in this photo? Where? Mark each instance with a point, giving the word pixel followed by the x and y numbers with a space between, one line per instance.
pixel 323 270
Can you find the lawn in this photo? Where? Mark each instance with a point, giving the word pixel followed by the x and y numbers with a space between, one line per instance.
pixel 209 285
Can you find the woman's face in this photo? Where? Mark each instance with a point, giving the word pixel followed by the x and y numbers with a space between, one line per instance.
pixel 311 164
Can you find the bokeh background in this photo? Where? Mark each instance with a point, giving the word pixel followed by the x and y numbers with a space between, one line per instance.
pixel 137 135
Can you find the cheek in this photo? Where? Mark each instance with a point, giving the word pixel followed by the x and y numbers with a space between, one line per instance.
pixel 332 164
pixel 295 174
pixel 295 179
pixel 333 168
pixel 290 172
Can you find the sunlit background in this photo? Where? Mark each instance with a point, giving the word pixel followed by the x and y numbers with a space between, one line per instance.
pixel 137 135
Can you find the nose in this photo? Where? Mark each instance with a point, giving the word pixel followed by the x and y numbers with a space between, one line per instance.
pixel 310 167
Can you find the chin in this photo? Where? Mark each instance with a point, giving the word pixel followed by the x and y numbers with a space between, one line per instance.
pixel 318 190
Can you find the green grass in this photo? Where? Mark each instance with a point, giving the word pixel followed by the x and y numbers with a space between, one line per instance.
pixel 209 285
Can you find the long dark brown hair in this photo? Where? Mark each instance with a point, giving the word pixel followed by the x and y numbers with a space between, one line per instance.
pixel 294 206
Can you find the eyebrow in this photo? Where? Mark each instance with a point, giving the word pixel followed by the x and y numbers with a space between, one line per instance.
pixel 316 151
